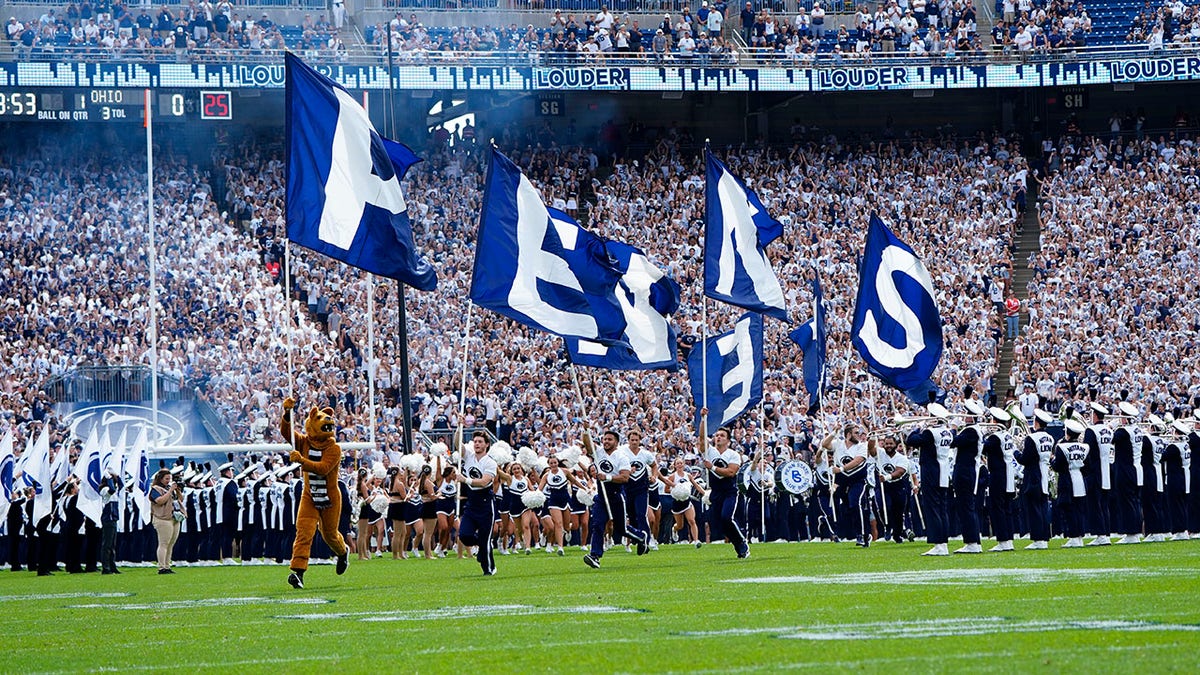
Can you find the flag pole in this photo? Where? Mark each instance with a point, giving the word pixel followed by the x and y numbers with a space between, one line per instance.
pixel 583 411
pixel 704 305
pixel 762 465
pixel 370 286
pixel 462 401
pixel 153 268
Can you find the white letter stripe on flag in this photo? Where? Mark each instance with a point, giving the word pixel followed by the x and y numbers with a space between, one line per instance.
pixel 896 259
pixel 740 375
pixel 740 239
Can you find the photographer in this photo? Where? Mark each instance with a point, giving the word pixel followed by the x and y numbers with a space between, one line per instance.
pixel 166 513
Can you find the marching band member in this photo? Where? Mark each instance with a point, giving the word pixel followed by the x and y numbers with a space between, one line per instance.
pixel 998 451
pixel 1097 474
pixel 479 510
pixel 933 446
pixel 1067 462
pixel 1176 479
pixel 893 468
pixel 965 471
pixel 723 463
pixel 1193 454
pixel 1152 485
pixel 1128 477
pixel 820 503
pixel 849 474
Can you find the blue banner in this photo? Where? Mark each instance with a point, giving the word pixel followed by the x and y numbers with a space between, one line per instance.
pixel 179 422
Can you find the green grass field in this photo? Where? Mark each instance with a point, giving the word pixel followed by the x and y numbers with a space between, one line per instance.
pixel 800 607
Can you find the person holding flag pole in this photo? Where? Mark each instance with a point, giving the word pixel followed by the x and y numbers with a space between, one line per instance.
pixel 723 463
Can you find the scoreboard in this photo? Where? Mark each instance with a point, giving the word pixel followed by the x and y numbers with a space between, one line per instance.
pixel 114 105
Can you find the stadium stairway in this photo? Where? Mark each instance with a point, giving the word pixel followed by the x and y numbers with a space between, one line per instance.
pixel 1028 242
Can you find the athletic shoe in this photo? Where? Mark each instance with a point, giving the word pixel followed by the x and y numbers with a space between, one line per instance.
pixel 1001 547
pixel 591 562
pixel 971 548
pixel 343 561
pixel 559 551
pixel 698 544
pixel 1102 540
pixel 296 579
pixel 1073 542
pixel 163 571
pixel 744 554
pixel 1180 536
pixel 549 548
pixel 490 573
pixel 1155 539
pixel 529 551
pixel 503 551
pixel 628 548
pixel 1130 539
pixel 642 548
pixel 938 549
pixel 1037 546
pixel 865 543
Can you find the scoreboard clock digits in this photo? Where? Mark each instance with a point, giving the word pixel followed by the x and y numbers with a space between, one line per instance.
pixel 216 105
pixel 18 104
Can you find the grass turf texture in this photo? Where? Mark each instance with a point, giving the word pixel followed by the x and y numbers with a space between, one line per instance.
pixel 1117 608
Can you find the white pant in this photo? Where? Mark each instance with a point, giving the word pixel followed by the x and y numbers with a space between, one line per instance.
pixel 339 14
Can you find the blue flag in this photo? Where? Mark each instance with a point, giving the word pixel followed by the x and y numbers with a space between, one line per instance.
pixel 897 328
pixel 648 298
pixel 812 338
pixel 343 189
pixel 737 229
pixel 735 373
pixel 538 266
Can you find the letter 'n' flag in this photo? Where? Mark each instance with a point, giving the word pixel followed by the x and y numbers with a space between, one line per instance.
pixel 343 184
pixel 737 229
pixel 897 328
pixel 735 372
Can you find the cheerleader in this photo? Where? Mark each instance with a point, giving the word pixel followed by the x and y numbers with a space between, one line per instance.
pixel 377 509
pixel 579 511
pixel 556 483
pixel 397 511
pixel 427 489
pixel 521 516
pixel 684 488
pixel 446 496
pixel 362 496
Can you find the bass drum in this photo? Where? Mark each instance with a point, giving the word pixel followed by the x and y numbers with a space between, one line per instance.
pixel 744 483
pixel 794 477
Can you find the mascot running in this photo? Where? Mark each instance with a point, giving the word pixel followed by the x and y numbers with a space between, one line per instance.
pixel 321 505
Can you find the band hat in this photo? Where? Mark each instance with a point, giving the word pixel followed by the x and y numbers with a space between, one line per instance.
pixel 245 473
pixel 1128 409
pixel 1000 414
pixel 177 469
pixel 1196 413
pixel 287 469
pixel 974 407
pixel 1098 408
pixel 1181 428
pixel 1074 426
pixel 225 467
pixel 1156 421
pixel 1043 416
pixel 938 410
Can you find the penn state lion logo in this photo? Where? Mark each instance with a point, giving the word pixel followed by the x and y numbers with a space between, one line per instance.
pixel 475 473
pixel 606 466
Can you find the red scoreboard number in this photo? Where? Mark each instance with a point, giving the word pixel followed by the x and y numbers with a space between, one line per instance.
pixel 216 105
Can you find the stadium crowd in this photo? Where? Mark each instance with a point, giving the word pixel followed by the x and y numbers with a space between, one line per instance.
pixel 1174 24
pixel 223 330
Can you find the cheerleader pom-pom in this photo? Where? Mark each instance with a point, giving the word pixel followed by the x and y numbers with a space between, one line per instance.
pixel 501 452
pixel 438 449
pixel 378 470
pixel 569 457
pixel 454 457
pixel 584 462
pixel 681 491
pixel 534 499
pixel 541 464
pixel 527 457
pixel 380 503
pixel 412 462
pixel 706 501
pixel 585 497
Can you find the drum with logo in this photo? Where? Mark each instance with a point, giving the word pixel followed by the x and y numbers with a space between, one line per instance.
pixel 794 477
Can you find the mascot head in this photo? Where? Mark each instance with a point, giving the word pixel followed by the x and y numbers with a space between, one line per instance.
pixel 319 426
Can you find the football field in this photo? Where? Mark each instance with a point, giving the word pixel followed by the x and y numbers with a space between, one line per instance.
pixel 790 607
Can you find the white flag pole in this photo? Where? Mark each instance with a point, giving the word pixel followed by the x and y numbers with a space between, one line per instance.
pixel 370 282
pixel 153 269
pixel 462 402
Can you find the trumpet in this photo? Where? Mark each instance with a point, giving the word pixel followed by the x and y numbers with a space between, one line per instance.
pixel 904 420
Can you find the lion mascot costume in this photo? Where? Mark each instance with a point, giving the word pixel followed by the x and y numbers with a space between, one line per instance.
pixel 321 504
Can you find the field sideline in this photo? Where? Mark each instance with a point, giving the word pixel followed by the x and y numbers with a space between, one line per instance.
pixel 798 607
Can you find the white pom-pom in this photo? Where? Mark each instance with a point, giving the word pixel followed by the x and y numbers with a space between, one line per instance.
pixel 569 457
pixel 412 462
pixel 704 500
pixel 438 449
pixel 585 497
pixel 527 457
pixel 541 464
pixel 379 502
pixel 584 462
pixel 681 491
pixel 534 499
pixel 378 470
pixel 501 452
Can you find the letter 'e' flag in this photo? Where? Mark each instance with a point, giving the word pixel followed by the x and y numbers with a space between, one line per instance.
pixel 343 186
pixel 538 266
pixel 737 229
pixel 813 338
pixel 897 328
pixel 735 373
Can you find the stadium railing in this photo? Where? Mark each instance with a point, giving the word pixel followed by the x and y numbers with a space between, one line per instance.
pixel 743 58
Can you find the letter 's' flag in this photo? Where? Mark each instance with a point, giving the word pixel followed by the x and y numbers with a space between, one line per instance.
pixel 812 338
pixel 648 298
pixel 538 266
pixel 737 229
pixel 343 184
pixel 735 373
pixel 897 328
pixel 7 463
pixel 88 470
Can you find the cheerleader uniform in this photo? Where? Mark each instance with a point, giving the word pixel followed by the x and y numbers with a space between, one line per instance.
pixel 558 496
pixel 681 506
pixel 446 495
pixel 515 489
